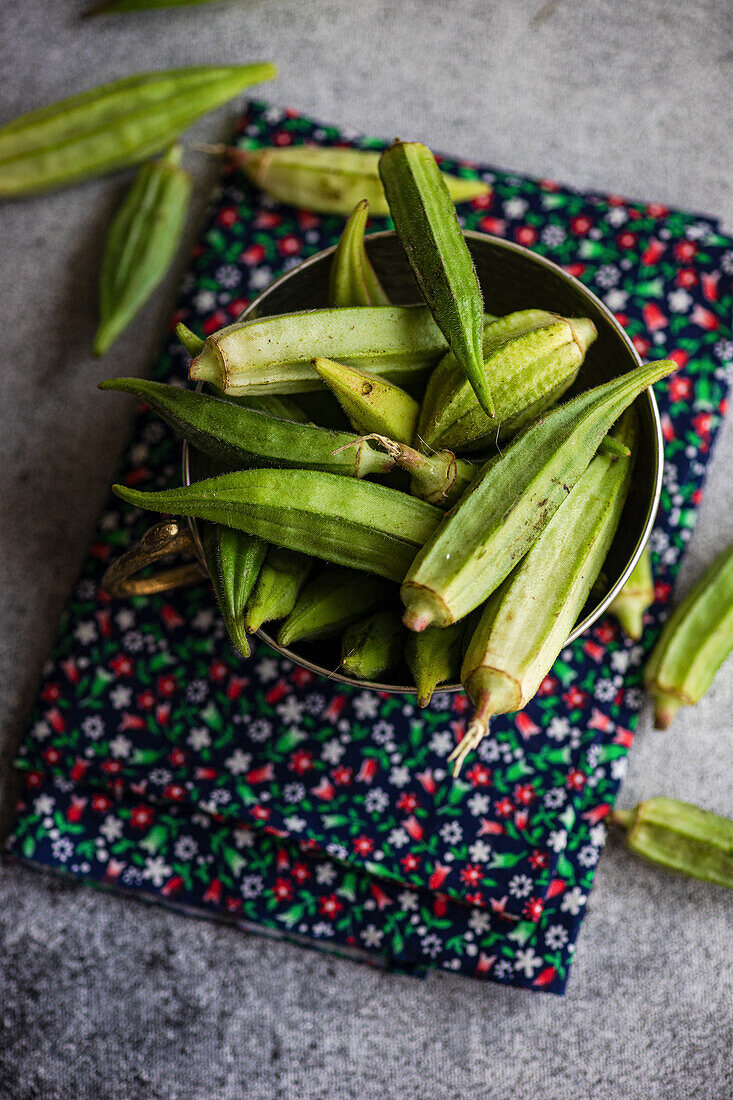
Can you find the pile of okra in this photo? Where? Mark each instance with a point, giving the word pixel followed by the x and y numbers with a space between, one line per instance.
pixel 460 524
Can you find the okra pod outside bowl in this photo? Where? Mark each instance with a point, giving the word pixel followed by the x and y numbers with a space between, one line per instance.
pixel 512 278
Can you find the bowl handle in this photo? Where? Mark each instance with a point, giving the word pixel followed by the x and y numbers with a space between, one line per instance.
pixel 160 541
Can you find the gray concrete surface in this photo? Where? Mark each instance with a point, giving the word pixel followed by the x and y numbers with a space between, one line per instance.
pixel 104 997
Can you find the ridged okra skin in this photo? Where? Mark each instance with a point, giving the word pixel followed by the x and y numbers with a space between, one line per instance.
pixel 330 602
pixel 354 282
pixel 526 621
pixel 511 500
pixel 233 560
pixel 434 658
pixel 373 645
pixel 680 837
pixel 371 403
pixel 281 578
pixel 696 639
pixel 354 523
pixel 532 357
pixel 331 180
pixel 431 236
pixel 636 596
pixel 239 437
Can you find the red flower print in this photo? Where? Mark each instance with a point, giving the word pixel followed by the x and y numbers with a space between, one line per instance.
pixel 521 818
pixel 368 770
pixel 576 779
pixel 263 774
pixel 300 873
pixel 177 757
pixel 493 225
pixel 524 793
pixel 330 906
pixel 526 235
pixel 471 874
pixel 685 251
pixel 111 767
pixel 236 686
pixel 656 210
pixel 653 252
pixel 253 255
pixel 363 845
pixel 438 876
pixel 545 976
pixel 504 807
pixel 174 792
pixel 479 775
pixel 307 220
pixel 641 344
pixel 576 270
pixel 606 632
pixel 166 685
pixel 407 801
pixel 702 423
pixel 282 138
pixel 121 666
pixel 170 617
pixel 141 817
pixel 267 220
pixel 533 909
pixel 79 770
pixel 548 685
pixel 679 388
pixel 580 225
pixel 413 826
pixel 50 693
pixel 101 803
pixel 174 885
pixel 341 775
pixel 575 697
pixel 301 677
pixel 217 320
pixel 282 890
pixel 410 863
pixel 146 700
pixel 228 215
pixel 213 891
pixel 475 898
pixel 325 790
pixel 538 859
pixel 217 670
pixel 440 905
pixel 627 239
pixel 301 761
pixel 289 246
pixel 260 813
pixel 461 703
pixel 686 277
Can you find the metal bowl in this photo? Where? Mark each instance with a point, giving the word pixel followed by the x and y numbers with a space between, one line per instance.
pixel 512 278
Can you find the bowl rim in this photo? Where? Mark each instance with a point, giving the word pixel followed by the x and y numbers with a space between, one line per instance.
pixel 658 447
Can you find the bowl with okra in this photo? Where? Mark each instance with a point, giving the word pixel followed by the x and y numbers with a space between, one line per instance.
pixel 425 459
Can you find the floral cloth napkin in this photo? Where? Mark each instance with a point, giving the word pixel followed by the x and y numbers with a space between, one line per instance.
pixel 158 762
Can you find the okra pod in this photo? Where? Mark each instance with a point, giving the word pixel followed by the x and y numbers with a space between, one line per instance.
pixel 511 500
pixel 371 403
pixel 331 180
pixel 114 125
pixel 434 657
pixel 439 478
pixel 635 597
pixel 354 282
pixel 275 354
pixel 285 408
pixel 281 578
pixel 233 560
pixel 680 837
pixel 141 243
pixel 431 236
pixel 531 356
pixel 696 639
pixel 190 341
pixel 373 645
pixel 240 437
pixel 342 520
pixel 526 622
pixel 329 603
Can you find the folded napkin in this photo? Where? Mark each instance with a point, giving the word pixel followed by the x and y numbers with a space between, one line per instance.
pixel 159 762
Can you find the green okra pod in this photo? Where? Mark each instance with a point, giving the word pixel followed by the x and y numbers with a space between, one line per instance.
pixel 680 837
pixel 275 354
pixel 511 500
pixel 434 658
pixel 354 282
pixel 696 639
pixel 233 560
pixel 190 341
pixel 240 437
pixel 331 180
pixel 368 526
pixel 439 478
pixel 114 125
pixel 329 603
pixel 373 645
pixel 285 408
pixel 141 243
pixel 636 596
pixel 531 356
pixel 433 241
pixel 281 578
pixel 526 621
pixel 371 403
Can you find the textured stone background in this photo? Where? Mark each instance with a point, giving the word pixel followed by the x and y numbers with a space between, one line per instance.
pixel 105 997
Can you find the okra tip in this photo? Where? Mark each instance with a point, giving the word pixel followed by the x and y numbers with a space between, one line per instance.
pixel 665 708
pixel 423 608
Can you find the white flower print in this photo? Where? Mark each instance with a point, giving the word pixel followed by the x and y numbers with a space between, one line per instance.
pixel 120 746
pixel 503 969
pixel 398 838
pixel 325 874
pixel 338 851
pixel 228 276
pixel 617 216
pixel 199 738
pixel 293 792
pixel 243 837
pixel 480 851
pixel 203 620
pixel 620 660
pixel 205 301
pixel 133 641
pixel 120 696
pixel 573 901
pixel 156 870
pixel 593 756
pixel 41 729
pixel 43 805
pixel 62 849
pixel 598 835
pixel 520 886
pixel 607 276
pixel 407 900
pixel 160 776
pixel 441 742
pixel 366 705
pixel 399 776
pixel 440 701
pixel 556 937
pixel 239 762
pixel 267 669
pixel 251 886
pixel 111 829
pixel 451 832
pixel 478 804
pixel 489 750
pixel 554 798
pixel 185 848
pixel 260 730
pixel 479 921
pixel 372 935
pixel 315 703
pixel 290 711
pixel 332 751
pixel 86 590
pixel 618 767
pixel 431 944
pixel 605 690
pixel 723 349
pixel 197 691
pixel 296 824
pixel 558 729
pixel 616 299
pixel 588 856
pixel 322 929
pixel 553 235
pixel 86 632
pixel 557 840
pixel 679 300
pixel 526 962
pixel 383 732
pixel 376 801
pixel 260 278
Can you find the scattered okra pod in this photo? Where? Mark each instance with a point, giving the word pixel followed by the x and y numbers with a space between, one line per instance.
pixel 281 578
pixel 371 403
pixel 372 646
pixel 331 601
pixel 432 239
pixel 141 243
pixel 696 639
pixel 635 597
pixel 342 520
pixel 275 354
pixel 512 498
pixel 354 282
pixel 680 837
pixel 331 181
pixel 240 437
pixel 233 560
pixel 114 125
